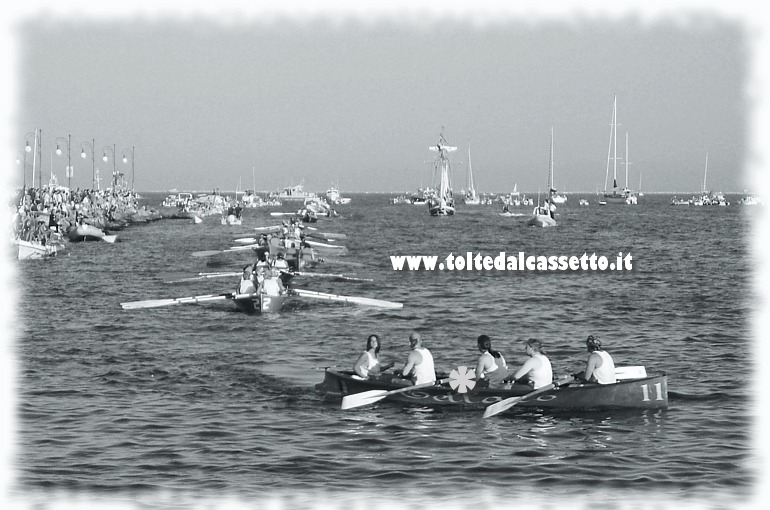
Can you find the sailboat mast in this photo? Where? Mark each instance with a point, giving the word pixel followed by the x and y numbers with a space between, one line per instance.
pixel 609 149
pixel 627 162
pixel 615 141
pixel 470 169
pixel 705 172
pixel 550 172
pixel 34 160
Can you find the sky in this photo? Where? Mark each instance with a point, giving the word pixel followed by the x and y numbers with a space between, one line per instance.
pixel 263 100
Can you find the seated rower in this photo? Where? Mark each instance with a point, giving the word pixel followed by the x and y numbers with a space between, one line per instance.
pixel 246 285
pixel 368 364
pixel 491 366
pixel 271 284
pixel 600 368
pixel 418 368
pixel 536 371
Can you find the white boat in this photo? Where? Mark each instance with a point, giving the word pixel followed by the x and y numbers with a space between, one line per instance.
pixel 471 196
pixel 583 201
pixel 86 232
pixel 543 216
pixel 441 203
pixel 624 196
pixel 293 193
pixel 333 196
pixel 750 200
pixel 29 250
pixel 555 197
pixel 231 219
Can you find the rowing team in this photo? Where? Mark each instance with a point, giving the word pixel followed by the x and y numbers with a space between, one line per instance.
pixel 491 368
pixel 264 276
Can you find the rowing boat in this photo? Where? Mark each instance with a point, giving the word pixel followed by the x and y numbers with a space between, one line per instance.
pixel 648 392
pixel 86 232
pixel 35 250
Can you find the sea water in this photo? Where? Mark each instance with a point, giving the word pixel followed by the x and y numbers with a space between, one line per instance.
pixel 201 404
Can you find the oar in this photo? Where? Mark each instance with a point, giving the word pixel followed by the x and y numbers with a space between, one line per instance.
pixel 209 253
pixel 245 240
pixel 326 234
pixel 339 262
pixel 372 396
pixel 504 405
pixel 347 299
pixel 327 275
pixel 324 246
pixel 283 213
pixel 341 236
pixel 154 303
pixel 205 277
pixel 272 228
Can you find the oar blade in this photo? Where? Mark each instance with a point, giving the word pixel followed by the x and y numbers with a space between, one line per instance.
pixel 363 398
pixel 206 253
pixel 149 303
pixel 503 405
pixel 499 407
pixel 380 303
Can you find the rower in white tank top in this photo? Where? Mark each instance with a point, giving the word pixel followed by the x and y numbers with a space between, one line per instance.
pixel 600 367
pixel 605 374
pixel 536 371
pixel 424 372
pixel 419 364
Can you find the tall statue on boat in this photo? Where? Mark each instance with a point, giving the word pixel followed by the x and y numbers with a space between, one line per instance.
pixel 441 202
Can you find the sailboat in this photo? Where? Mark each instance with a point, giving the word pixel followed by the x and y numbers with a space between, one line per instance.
pixel 471 197
pixel 542 216
pixel 630 197
pixel 704 198
pixel 622 197
pixel 441 202
pixel 640 193
pixel 555 197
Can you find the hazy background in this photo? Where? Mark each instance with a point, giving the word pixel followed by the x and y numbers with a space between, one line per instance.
pixel 207 102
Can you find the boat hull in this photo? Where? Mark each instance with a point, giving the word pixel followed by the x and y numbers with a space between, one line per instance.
pixel 231 219
pixel 649 392
pixel 541 220
pixel 260 303
pixel 85 232
pixel 31 250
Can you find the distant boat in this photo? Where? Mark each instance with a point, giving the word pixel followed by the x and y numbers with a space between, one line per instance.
pixel 750 200
pixel 441 202
pixel 293 193
pixel 555 197
pixel 623 196
pixel 29 250
pixel 542 216
pixel 471 196
pixel 333 196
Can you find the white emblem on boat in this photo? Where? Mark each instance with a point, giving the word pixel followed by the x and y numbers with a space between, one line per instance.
pixel 462 379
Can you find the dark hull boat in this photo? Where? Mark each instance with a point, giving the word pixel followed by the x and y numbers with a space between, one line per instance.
pixel 261 303
pixel 650 392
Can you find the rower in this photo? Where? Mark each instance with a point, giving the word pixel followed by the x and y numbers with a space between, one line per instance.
pixel 246 285
pixel 600 368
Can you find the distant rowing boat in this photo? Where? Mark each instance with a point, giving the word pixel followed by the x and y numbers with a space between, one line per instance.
pixel 86 232
pixel 29 250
